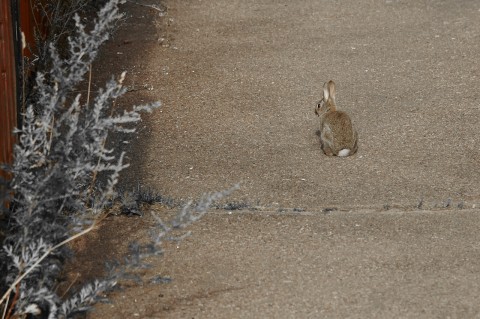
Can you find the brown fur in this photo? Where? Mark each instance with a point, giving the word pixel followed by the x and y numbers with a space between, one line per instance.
pixel 336 128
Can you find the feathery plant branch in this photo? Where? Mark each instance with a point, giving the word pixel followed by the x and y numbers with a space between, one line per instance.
pixel 37 262
pixel 61 146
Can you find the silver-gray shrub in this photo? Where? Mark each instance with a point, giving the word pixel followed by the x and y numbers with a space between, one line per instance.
pixel 58 159
pixel 64 177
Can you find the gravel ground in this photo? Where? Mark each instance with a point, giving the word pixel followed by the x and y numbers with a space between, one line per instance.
pixel 388 232
pixel 240 80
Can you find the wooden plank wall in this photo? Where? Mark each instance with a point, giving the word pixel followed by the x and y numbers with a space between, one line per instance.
pixel 16 16
pixel 8 95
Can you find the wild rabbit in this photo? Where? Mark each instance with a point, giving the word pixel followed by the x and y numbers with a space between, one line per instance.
pixel 337 135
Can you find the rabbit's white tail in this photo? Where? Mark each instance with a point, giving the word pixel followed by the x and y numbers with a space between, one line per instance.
pixel 344 152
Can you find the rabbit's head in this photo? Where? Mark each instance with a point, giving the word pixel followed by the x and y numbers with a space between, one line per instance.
pixel 327 103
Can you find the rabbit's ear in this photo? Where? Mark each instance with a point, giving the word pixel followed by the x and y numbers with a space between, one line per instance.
pixel 331 89
pixel 325 91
